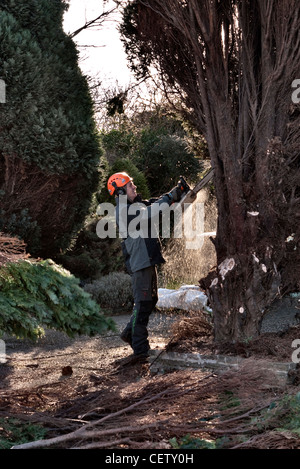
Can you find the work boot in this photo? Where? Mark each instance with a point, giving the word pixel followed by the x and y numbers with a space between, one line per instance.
pixel 126 337
pixel 140 358
pixel 133 360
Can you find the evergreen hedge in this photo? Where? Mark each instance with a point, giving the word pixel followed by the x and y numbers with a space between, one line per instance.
pixel 49 145
pixel 42 294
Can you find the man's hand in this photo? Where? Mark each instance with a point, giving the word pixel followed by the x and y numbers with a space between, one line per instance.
pixel 184 185
pixel 175 194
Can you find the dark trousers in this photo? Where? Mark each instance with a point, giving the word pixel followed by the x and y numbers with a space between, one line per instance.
pixel 144 287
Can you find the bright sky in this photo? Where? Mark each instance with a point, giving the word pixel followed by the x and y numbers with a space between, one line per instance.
pixel 108 61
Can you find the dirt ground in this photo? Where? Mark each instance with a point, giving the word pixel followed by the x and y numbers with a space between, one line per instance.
pixel 86 398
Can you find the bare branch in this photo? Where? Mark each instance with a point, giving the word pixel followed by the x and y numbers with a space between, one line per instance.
pixel 96 22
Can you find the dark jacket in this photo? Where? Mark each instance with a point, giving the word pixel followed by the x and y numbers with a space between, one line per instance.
pixel 137 223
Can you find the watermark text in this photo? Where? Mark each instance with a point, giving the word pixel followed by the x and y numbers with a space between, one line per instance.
pixel 159 219
pixel 296 93
pixel 2 351
pixel 2 92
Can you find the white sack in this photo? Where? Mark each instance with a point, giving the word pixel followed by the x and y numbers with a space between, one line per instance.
pixel 187 297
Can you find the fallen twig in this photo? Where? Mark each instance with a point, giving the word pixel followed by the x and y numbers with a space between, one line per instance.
pixel 84 434
pixel 106 444
pixel 80 433
pixel 84 431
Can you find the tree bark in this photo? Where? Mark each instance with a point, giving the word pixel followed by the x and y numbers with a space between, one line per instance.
pixel 235 61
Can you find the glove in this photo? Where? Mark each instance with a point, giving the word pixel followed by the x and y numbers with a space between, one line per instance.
pixel 175 194
pixel 184 185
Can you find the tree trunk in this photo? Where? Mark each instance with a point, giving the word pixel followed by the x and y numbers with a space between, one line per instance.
pixel 233 63
pixel 239 294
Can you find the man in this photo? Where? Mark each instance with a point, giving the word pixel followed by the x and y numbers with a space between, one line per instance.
pixel 142 251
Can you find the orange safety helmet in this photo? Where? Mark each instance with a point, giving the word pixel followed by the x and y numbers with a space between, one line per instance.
pixel 116 181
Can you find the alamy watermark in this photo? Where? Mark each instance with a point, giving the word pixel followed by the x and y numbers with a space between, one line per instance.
pixel 138 220
pixel 2 92
pixel 2 351
pixel 296 93
pixel 296 353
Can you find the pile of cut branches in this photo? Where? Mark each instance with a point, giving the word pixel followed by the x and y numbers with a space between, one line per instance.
pixel 229 410
pixel 12 249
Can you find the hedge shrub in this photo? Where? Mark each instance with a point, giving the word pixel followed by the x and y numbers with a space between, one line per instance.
pixel 37 294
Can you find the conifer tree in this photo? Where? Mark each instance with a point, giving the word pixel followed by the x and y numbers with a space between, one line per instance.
pixel 49 148
pixel 234 65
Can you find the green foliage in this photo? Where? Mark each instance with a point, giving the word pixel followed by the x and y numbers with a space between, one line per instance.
pixel 83 265
pixel 283 415
pixel 91 256
pixel 228 399
pixel 138 57
pixel 48 117
pixel 15 432
pixel 112 292
pixel 188 442
pixel 21 225
pixel 165 158
pixel 36 294
pixel 118 143
pixel 47 124
pixel 159 146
